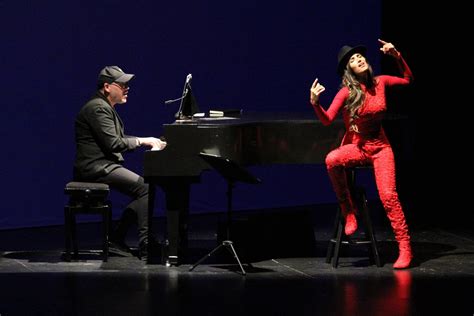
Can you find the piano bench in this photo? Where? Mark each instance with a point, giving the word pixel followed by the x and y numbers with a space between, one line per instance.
pixel 340 238
pixel 86 198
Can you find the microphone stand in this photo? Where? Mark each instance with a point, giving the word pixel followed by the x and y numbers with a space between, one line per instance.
pixel 187 85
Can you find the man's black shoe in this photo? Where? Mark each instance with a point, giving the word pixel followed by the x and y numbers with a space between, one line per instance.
pixel 156 250
pixel 119 248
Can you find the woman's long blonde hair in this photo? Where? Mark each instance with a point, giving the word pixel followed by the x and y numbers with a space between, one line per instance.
pixel 356 95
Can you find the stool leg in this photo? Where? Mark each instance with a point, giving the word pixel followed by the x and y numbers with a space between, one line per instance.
pixel 333 237
pixel 67 233
pixel 340 228
pixel 72 217
pixel 106 220
pixel 369 228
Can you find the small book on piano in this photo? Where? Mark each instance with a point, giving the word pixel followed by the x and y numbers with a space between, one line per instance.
pixel 225 112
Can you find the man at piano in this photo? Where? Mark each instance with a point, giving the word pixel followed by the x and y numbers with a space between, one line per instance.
pixel 100 142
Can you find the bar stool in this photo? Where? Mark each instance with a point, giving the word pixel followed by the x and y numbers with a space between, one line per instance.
pixel 340 238
pixel 86 198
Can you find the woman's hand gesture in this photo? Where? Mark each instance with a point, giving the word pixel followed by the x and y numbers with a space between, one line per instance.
pixel 389 49
pixel 315 91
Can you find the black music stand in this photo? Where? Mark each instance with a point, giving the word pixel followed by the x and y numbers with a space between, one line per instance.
pixel 233 173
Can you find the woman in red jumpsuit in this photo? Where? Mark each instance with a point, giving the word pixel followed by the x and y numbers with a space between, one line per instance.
pixel 363 105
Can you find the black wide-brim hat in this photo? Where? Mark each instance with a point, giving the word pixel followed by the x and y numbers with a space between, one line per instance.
pixel 345 54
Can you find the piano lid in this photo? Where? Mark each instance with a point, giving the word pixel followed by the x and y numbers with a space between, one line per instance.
pixel 255 139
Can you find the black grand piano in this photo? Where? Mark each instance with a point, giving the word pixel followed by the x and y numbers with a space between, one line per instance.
pixel 253 139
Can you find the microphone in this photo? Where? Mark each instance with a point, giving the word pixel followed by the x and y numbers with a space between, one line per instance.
pixel 175 100
pixel 189 77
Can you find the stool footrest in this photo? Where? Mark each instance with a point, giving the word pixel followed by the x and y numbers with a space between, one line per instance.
pixel 352 241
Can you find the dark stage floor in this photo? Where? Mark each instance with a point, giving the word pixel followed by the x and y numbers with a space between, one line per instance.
pixel 288 274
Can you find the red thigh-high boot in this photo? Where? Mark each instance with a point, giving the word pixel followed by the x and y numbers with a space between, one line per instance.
pixel 400 229
pixel 384 167
pixel 338 178
pixel 405 255
pixel 351 221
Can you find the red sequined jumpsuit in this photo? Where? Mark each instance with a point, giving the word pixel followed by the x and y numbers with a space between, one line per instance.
pixel 367 145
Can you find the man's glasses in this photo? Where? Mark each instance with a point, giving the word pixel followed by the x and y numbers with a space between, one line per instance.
pixel 121 85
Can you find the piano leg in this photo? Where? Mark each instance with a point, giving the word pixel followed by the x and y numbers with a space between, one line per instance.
pixel 177 210
pixel 151 207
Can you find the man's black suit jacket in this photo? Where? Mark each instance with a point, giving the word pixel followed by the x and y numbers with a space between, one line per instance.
pixel 100 139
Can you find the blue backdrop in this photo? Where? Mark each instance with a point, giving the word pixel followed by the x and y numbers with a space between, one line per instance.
pixel 255 55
